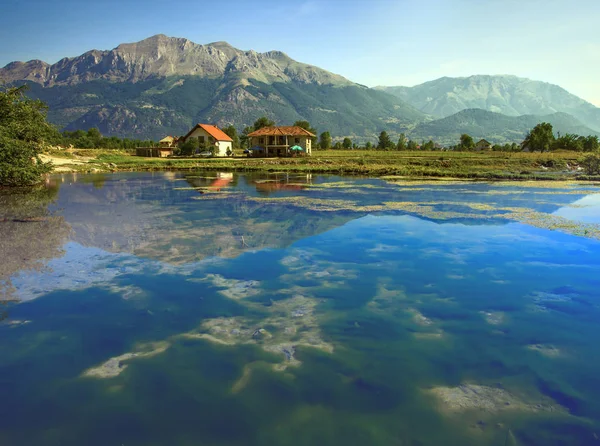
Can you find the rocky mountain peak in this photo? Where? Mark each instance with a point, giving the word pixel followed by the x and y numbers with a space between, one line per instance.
pixel 163 56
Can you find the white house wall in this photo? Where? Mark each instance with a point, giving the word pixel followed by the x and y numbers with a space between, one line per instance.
pixel 222 146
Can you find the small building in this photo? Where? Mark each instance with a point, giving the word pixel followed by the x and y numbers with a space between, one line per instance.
pixel 211 135
pixel 277 141
pixel 167 141
pixel 483 144
pixel 154 152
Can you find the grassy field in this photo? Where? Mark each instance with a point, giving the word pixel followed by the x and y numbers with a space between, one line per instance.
pixel 485 166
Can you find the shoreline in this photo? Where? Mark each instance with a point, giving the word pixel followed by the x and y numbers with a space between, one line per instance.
pixel 444 166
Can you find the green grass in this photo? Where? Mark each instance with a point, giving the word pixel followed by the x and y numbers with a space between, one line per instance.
pixel 484 166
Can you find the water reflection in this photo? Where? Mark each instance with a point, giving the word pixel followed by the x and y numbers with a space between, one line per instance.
pixel 30 235
pixel 586 209
pixel 365 322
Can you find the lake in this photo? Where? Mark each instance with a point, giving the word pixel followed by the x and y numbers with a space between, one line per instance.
pixel 214 308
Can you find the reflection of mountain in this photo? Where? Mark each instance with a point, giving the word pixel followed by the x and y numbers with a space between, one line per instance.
pixel 30 235
pixel 158 216
pixel 177 219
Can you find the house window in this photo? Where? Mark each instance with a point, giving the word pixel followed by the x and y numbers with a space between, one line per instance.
pixel 297 140
pixel 201 139
pixel 261 140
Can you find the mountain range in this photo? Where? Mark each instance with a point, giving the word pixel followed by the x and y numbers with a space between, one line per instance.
pixel 164 85
pixel 509 95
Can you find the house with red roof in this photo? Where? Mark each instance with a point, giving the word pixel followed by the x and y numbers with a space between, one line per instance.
pixel 211 135
pixel 281 141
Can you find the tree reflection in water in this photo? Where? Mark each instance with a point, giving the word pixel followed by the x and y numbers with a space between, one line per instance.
pixel 30 234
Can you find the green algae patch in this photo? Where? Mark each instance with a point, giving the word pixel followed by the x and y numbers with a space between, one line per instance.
pixel 473 397
pixel 116 365
pixel 289 324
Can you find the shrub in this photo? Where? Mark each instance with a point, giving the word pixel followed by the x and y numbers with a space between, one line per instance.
pixel 591 164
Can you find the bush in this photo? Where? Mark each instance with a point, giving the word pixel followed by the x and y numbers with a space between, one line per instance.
pixel 19 163
pixel 591 164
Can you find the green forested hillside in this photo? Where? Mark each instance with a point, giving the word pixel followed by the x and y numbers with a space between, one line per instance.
pixel 157 107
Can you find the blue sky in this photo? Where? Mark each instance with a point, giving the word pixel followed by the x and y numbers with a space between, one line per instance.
pixel 378 42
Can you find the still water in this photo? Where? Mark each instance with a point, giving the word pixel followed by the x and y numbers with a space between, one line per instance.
pixel 227 309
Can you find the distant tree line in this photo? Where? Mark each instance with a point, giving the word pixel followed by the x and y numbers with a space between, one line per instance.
pixel 93 139
pixel 541 139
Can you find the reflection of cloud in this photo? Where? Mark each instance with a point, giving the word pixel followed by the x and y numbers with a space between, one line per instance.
pixel 83 267
pixel 585 210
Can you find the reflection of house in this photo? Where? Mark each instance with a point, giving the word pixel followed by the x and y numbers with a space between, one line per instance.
pixel 167 141
pixel 281 141
pixel 154 152
pixel 211 135
pixel 483 145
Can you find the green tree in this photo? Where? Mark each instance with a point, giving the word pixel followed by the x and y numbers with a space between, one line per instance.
pixel 325 141
pixel 569 141
pixel 466 142
pixel 384 143
pixel 411 145
pixel 591 164
pixel 347 143
pixel 540 138
pixel 401 142
pixel 368 145
pixel 244 138
pixel 306 126
pixel 232 133
pixel 189 146
pixel 94 133
pixel 591 144
pixel 429 145
pixel 262 122
pixel 24 131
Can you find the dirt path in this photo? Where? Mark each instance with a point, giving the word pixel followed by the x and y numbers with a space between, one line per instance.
pixel 63 164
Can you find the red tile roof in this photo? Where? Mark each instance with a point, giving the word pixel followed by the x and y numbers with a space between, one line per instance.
pixel 212 130
pixel 282 131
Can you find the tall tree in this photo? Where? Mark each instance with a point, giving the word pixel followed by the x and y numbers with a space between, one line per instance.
pixel 429 145
pixel 411 145
pixel 384 142
pixel 23 133
pixel 262 122
pixel 591 144
pixel 325 141
pixel 466 142
pixel 306 126
pixel 540 138
pixel 401 142
pixel 347 143
pixel 94 133
pixel 232 133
